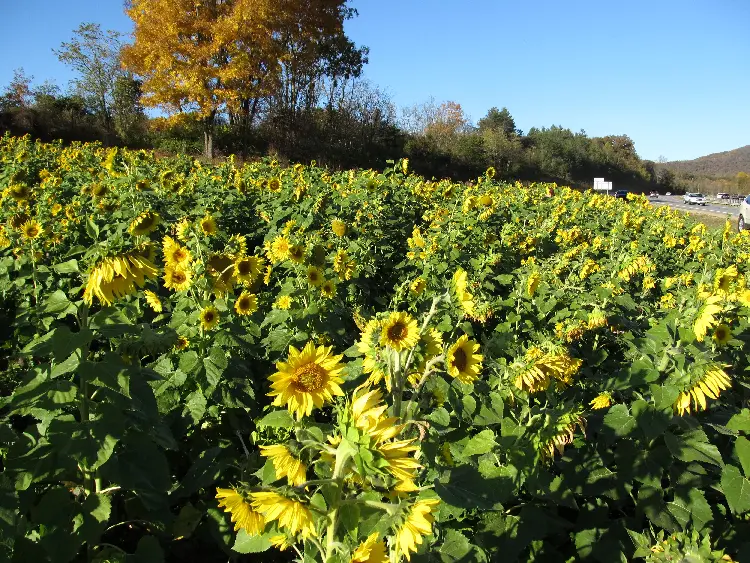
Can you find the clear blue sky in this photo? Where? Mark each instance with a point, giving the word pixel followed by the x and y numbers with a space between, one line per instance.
pixel 674 75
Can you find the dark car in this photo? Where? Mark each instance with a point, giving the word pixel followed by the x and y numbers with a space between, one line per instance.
pixel 621 194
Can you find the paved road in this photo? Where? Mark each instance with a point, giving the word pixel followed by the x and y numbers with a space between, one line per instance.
pixel 676 202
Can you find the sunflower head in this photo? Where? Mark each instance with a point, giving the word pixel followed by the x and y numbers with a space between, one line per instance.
pixel 208 225
pixel 722 334
pixel 246 304
pixel 247 268
pixel 144 224
pixel 31 229
pixel 307 380
pixel 297 253
pixel 314 276
pixel 338 227
pixel 280 248
pixel 328 289
pixel 400 331
pixel 177 278
pixel 274 185
pixel 284 302
pixel 209 318
pixel 462 362
pixel 99 190
pixel 20 192
pixel 182 343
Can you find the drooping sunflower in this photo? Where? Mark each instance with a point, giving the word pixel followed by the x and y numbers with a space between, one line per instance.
pixel 246 304
pixel 401 463
pixel 117 276
pixel 711 383
pixel 722 334
pixel 314 276
pixel 178 279
pixel 418 523
pixel 208 225
pixel 241 512
pixel 31 229
pixel 20 192
pixel 183 229
pixel 209 318
pixel 290 514
pixel 371 550
pixel 153 301
pixel 144 224
pixel 601 401
pixel 307 380
pixel 247 268
pixel 462 362
pixel 462 296
pixel 533 283
pixel 285 464
pixel 338 227
pixel 399 331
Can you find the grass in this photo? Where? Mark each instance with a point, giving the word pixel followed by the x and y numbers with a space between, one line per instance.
pixel 712 220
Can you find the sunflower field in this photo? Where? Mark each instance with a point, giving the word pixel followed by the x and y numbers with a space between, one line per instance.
pixel 264 363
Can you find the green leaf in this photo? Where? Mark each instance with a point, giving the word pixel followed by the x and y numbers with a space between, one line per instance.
pixel 439 417
pixel 480 444
pixel 149 551
pixel 95 511
pixel 92 229
pixel 742 450
pixel 456 547
pixel 740 421
pixel 245 543
pixel 58 304
pixel 195 405
pixel 186 522
pixel 693 446
pixel 277 419
pixel 69 267
pixel 618 419
pixel 215 365
pixel 204 472
pixel 736 489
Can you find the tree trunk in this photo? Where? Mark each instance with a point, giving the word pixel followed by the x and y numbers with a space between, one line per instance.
pixel 208 137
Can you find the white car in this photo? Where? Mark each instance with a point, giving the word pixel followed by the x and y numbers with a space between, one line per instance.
pixel 694 199
pixel 744 213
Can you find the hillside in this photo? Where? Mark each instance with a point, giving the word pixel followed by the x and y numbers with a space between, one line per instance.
pixel 726 163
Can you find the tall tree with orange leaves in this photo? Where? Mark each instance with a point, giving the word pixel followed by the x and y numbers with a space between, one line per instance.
pixel 206 56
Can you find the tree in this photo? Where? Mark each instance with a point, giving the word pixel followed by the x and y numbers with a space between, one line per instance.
pixel 18 94
pixel 129 117
pixel 208 56
pixel 499 120
pixel 95 55
pixel 743 182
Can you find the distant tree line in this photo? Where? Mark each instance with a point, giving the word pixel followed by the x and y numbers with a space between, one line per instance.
pixel 291 86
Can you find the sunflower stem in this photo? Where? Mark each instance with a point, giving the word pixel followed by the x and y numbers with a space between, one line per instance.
pixel 342 456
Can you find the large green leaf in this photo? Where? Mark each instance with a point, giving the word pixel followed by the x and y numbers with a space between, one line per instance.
pixel 245 543
pixel 693 445
pixel 736 489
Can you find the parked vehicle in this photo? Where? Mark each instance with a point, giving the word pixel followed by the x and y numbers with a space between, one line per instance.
pixel 621 194
pixel 653 195
pixel 694 199
pixel 744 213
pixel 722 195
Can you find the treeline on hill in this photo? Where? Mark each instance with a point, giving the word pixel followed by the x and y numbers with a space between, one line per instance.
pixel 307 102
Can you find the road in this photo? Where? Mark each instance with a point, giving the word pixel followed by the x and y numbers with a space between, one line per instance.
pixel 676 202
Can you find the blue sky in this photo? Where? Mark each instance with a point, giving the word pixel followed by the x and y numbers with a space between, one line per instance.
pixel 673 75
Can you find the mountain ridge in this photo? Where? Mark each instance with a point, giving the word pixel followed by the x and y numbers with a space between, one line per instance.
pixel 726 163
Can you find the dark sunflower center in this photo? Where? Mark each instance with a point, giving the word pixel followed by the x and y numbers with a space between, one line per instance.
pixel 309 377
pixel 32 232
pixel 244 268
pixel 178 255
pixel 313 276
pixel 460 361
pixel 209 316
pixel 397 332
pixel 179 277
pixel 244 303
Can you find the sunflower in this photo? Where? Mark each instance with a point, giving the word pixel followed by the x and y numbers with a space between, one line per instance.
pixel 461 361
pixel 117 276
pixel 56 208
pixel 418 286
pixel 328 289
pixel 400 462
pixel 241 513
pixel 601 401
pixel 178 279
pixel 280 248
pixel 281 542
pixel 99 190
pixel 208 225
pixel 182 343
pixel 711 383
pixel 31 229
pixel 418 523
pixel 463 297
pixel 285 464
pixel 183 229
pixel 290 514
pixel 20 192
pixel 307 379
pixel 297 253
pixel 247 268
pixel 283 302
pixel 532 283
pixel 371 550
pixel 314 276
pixel 153 300
pixel 246 304
pixel 209 318
pixel 175 255
pixel 722 334
pixel 237 246
pixel 372 363
pixel 399 331
pixel 274 185
pixel 144 224
pixel 338 227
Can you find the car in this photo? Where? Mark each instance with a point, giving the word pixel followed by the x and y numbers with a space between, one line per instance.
pixel 744 214
pixel 654 195
pixel 722 195
pixel 668 193
pixel 621 194
pixel 694 198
